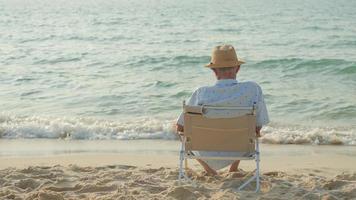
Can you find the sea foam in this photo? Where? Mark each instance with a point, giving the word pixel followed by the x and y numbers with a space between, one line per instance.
pixel 83 128
pixel 13 127
pixel 293 134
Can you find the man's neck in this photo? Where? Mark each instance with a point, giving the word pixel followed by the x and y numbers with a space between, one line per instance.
pixel 226 78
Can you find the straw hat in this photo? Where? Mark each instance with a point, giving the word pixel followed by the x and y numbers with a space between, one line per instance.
pixel 224 56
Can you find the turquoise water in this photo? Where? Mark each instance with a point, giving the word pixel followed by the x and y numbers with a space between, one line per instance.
pixel 120 69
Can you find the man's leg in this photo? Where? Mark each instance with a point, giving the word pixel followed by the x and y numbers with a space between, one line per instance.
pixel 207 168
pixel 234 166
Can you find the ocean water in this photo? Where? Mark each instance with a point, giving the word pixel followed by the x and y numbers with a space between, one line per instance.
pixel 119 69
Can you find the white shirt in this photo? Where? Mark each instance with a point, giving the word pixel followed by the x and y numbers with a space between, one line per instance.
pixel 229 92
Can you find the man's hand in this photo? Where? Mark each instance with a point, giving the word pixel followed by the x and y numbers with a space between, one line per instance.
pixel 179 128
pixel 258 131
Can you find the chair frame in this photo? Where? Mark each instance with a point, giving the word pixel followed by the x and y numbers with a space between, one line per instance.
pixel 184 155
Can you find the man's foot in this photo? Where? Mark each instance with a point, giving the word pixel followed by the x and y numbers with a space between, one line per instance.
pixel 206 173
pixel 234 166
pixel 209 171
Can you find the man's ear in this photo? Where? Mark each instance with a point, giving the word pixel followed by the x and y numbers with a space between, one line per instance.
pixel 215 71
pixel 237 69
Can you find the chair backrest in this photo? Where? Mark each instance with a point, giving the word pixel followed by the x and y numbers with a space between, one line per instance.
pixel 218 134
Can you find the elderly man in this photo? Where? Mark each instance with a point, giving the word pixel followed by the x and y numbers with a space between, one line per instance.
pixel 227 91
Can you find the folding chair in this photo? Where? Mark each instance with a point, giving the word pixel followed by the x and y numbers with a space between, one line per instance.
pixel 233 134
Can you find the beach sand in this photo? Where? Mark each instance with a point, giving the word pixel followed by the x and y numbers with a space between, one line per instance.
pixel 288 172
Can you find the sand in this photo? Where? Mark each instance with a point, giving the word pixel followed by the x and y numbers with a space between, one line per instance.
pixel 288 172
pixel 132 182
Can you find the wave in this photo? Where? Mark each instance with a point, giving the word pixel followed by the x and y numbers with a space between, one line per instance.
pixel 348 70
pixel 182 61
pixel 164 84
pixel 57 60
pixel 228 30
pixel 334 66
pixel 277 134
pixel 38 39
pixel 340 112
pixel 30 93
pixel 15 127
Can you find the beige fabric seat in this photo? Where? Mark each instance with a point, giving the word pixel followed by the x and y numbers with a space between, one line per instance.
pixel 233 134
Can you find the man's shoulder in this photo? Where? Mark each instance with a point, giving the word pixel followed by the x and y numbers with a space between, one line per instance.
pixel 202 89
pixel 252 87
pixel 198 91
pixel 251 84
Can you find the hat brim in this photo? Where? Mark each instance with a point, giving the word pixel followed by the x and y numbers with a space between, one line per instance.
pixel 222 65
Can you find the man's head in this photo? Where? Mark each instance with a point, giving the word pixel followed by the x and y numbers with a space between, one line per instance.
pixel 224 62
pixel 226 72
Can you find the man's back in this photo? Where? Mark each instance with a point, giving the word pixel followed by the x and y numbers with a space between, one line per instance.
pixel 229 92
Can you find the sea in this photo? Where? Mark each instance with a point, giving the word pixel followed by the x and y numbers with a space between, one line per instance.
pixel 120 69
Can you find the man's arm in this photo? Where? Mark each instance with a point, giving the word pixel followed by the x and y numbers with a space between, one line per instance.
pixel 261 112
pixel 193 101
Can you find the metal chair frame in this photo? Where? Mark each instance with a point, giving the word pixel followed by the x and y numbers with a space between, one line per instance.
pixel 184 155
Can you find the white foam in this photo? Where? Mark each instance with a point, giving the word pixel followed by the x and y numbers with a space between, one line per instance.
pixel 281 134
pixel 13 127
pixel 83 128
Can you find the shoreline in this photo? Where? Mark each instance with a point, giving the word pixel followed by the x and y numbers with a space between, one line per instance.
pixel 23 153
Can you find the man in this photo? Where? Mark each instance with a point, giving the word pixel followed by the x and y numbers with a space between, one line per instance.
pixel 227 92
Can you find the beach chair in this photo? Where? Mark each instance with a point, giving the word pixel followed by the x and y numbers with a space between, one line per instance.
pixel 233 134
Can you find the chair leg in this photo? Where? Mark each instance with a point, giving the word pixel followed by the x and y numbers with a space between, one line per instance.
pixel 247 182
pixel 181 158
pixel 257 172
pixel 258 177
pixel 257 166
pixel 182 172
